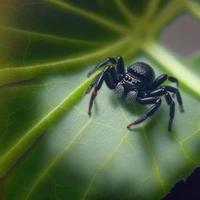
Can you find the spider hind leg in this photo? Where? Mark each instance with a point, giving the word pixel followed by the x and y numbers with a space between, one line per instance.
pixel 171 105
pixel 176 93
pixel 165 91
pixel 149 100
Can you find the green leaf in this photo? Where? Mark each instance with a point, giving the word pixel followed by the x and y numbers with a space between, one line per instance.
pixel 49 147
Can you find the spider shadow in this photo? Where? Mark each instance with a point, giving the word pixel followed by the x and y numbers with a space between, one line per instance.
pixel 133 109
pixel 136 110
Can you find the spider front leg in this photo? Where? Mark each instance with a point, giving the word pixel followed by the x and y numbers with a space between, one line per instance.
pixel 109 75
pixel 104 63
pixel 116 74
pixel 148 100
pixel 120 67
pixel 110 61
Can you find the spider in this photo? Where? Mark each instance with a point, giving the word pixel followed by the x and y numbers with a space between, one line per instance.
pixel 137 84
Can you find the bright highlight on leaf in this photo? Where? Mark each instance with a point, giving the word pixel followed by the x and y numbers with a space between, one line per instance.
pixel 49 148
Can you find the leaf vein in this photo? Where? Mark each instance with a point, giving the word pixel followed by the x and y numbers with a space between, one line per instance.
pixel 89 15
pixel 58 157
pixel 154 162
pixel 30 71
pixel 126 12
pixel 17 149
pixel 105 163
pixel 48 36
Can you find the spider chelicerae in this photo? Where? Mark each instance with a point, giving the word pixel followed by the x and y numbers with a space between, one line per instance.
pixel 138 83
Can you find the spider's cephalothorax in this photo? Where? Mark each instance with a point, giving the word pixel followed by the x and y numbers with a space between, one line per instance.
pixel 137 84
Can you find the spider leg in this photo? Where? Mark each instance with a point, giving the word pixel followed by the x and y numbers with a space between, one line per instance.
pixel 148 100
pixel 104 63
pixel 171 104
pixel 161 79
pixel 164 89
pixel 178 96
pixel 120 67
pixel 109 75
pixel 116 74
pixel 92 84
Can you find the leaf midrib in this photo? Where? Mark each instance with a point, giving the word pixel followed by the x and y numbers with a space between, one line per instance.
pixel 14 153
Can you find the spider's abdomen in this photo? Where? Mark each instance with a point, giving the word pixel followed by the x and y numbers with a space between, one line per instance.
pixel 143 71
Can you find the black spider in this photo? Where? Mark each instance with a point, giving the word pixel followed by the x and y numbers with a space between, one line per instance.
pixel 137 84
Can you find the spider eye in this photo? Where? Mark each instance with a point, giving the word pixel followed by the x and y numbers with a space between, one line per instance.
pixel 126 78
